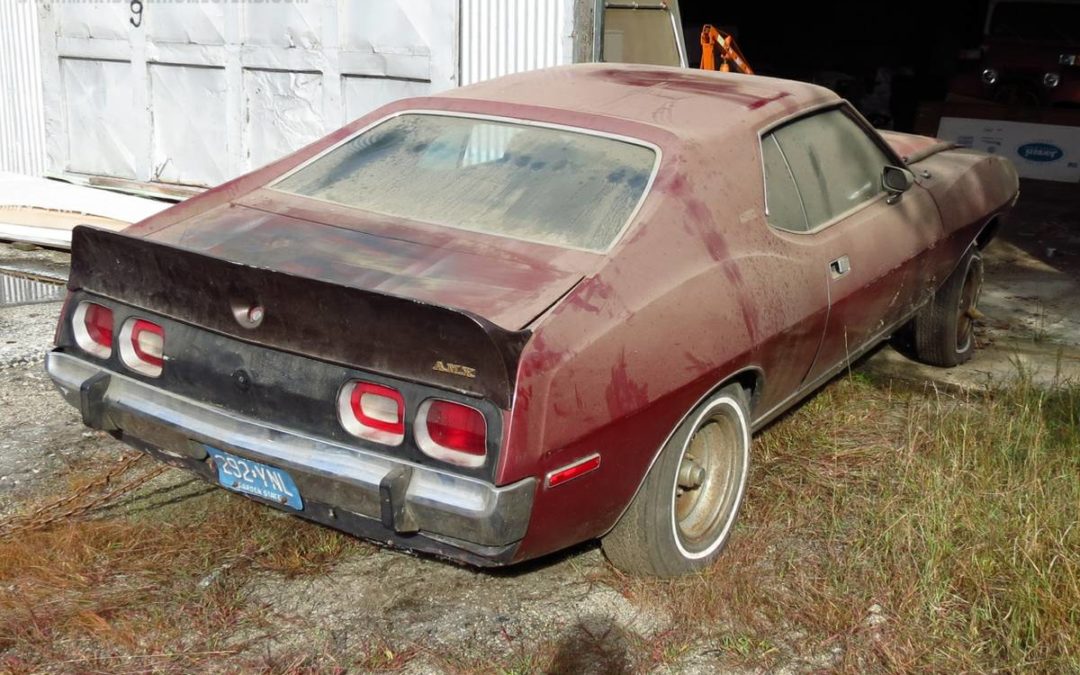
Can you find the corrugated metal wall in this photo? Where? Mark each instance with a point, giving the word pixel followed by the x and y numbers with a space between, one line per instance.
pixel 509 36
pixel 22 291
pixel 22 119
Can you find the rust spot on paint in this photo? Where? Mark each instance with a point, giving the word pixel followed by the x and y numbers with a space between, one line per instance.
pixel 702 220
pixel 762 102
pixel 731 271
pixel 538 357
pixel 749 318
pixel 695 82
pixel 715 244
pixel 524 397
pixel 562 407
pixel 695 364
pixel 674 185
pixel 591 295
pixel 622 394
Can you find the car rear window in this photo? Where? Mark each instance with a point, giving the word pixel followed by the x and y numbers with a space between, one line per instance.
pixel 529 182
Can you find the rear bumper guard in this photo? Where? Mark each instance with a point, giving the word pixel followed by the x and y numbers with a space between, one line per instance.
pixel 361 492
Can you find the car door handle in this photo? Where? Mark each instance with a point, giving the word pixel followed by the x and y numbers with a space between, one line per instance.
pixel 840 267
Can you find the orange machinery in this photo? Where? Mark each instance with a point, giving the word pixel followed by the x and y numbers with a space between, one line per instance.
pixel 719 51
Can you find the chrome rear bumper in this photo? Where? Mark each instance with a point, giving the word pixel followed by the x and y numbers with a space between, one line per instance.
pixel 347 488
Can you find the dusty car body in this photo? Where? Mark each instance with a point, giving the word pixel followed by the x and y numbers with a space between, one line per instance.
pixel 719 298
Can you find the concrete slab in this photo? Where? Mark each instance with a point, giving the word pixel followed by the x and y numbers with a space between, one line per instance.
pixel 1044 365
pixel 1030 301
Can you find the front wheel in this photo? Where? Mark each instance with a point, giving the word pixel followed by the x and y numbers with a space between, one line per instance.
pixel 944 329
pixel 685 510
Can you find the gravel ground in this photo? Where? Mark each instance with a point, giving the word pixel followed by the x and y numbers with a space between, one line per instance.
pixel 27 332
pixel 41 436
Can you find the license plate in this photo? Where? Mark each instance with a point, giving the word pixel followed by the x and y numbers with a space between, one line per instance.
pixel 256 478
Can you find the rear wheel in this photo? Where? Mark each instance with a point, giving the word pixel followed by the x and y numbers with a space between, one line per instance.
pixel 685 509
pixel 944 329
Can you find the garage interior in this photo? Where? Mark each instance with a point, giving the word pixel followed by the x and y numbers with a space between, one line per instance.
pixel 848 42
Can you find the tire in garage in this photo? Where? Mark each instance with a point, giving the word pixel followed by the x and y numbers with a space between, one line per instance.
pixel 944 329
pixel 685 509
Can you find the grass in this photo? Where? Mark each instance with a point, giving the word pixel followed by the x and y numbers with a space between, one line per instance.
pixel 896 530
pixel 886 529
pixel 162 590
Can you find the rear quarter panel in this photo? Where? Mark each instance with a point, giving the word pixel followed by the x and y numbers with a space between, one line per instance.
pixel 696 292
pixel 692 295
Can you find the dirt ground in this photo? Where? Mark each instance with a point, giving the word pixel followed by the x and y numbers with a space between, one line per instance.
pixel 1033 271
pixel 381 597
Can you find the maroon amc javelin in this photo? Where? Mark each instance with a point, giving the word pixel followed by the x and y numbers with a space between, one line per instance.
pixel 531 312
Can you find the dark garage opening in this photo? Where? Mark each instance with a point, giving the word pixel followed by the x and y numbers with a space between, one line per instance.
pixel 852 47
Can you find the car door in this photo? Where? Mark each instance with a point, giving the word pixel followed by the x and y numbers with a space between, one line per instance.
pixel 866 243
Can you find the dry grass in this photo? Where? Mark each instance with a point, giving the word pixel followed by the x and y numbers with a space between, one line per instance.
pixel 162 590
pixel 886 530
pixel 955 517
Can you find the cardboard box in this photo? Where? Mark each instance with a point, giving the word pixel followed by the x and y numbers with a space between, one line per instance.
pixel 1041 151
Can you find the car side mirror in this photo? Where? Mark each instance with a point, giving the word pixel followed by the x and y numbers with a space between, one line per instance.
pixel 896 181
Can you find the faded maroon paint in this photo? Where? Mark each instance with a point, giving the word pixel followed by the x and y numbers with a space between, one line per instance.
pixel 695 296
pixel 745 93
pixel 912 148
pixel 697 291
pixel 968 187
pixel 701 290
pixel 508 286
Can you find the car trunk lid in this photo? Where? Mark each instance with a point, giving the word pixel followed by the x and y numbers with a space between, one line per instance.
pixel 508 282
pixel 406 338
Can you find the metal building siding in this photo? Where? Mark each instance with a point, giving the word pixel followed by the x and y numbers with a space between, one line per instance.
pixel 23 291
pixel 22 119
pixel 499 37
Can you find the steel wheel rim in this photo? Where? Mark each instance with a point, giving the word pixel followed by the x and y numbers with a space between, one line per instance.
pixel 969 298
pixel 703 513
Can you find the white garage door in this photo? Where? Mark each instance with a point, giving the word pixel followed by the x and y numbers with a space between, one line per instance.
pixel 200 92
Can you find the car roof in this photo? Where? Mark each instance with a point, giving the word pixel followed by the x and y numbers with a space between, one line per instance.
pixel 689 103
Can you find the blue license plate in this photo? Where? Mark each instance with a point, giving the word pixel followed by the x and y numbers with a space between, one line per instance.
pixel 256 478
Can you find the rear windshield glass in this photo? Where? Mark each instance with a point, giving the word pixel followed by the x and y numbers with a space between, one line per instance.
pixel 547 185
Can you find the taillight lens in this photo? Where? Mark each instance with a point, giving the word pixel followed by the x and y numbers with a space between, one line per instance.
pixel 452 432
pixel 93 327
pixel 373 412
pixel 142 346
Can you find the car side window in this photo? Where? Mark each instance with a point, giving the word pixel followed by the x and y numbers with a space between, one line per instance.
pixel 836 166
pixel 783 206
